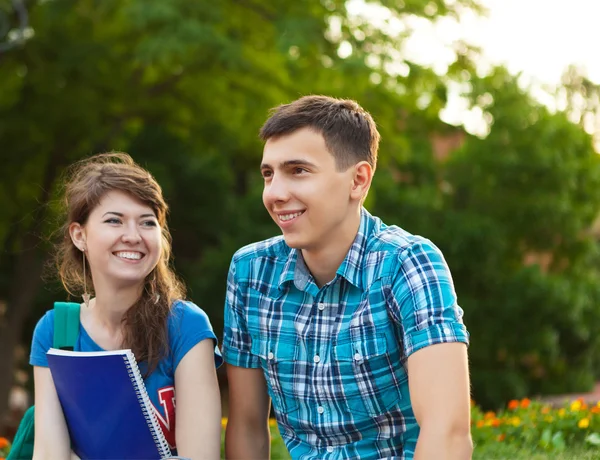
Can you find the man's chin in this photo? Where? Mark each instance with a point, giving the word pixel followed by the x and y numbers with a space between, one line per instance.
pixel 293 241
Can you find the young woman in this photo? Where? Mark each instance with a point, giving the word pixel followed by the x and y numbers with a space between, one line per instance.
pixel 116 245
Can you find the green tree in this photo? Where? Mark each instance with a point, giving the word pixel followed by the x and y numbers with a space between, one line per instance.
pixel 184 86
pixel 516 231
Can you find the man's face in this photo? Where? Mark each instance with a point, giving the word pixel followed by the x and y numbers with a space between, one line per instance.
pixel 307 197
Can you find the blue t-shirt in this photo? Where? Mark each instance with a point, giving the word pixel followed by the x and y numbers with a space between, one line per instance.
pixel 188 325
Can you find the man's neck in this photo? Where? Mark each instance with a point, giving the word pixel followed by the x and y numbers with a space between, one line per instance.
pixel 324 261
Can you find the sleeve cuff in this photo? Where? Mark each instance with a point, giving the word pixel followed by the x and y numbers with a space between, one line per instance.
pixel 446 332
pixel 240 358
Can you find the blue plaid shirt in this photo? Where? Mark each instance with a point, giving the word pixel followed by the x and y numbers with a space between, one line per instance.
pixel 334 358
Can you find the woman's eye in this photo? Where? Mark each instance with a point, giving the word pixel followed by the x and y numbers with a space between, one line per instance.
pixel 149 223
pixel 112 221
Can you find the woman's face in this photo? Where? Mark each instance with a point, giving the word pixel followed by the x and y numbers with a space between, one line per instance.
pixel 123 240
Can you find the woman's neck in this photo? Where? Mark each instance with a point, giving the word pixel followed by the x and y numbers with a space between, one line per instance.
pixel 110 305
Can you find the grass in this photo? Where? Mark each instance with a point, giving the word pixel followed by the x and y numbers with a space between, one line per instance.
pixel 496 451
pixel 507 452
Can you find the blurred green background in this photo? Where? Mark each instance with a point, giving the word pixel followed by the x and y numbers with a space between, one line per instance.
pixel 184 86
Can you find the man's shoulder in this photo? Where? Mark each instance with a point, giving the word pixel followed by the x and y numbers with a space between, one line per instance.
pixel 273 248
pixel 393 239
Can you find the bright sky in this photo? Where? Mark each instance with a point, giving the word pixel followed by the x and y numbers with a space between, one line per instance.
pixel 539 38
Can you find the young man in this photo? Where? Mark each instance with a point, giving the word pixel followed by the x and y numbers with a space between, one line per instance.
pixel 350 327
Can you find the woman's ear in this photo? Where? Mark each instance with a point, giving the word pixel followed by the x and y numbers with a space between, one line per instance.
pixel 77 233
pixel 361 181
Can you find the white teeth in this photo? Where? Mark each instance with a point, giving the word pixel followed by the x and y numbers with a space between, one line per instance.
pixel 286 217
pixel 129 255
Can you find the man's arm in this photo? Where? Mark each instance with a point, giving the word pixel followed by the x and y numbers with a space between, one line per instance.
pixel 247 435
pixel 438 378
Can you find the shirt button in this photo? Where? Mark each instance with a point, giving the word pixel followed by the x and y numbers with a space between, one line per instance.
pixel 357 357
pixel 447 330
pixel 321 306
pixel 316 359
pixel 330 449
pixel 271 355
pixel 320 409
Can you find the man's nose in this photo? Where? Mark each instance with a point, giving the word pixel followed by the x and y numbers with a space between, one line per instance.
pixel 277 189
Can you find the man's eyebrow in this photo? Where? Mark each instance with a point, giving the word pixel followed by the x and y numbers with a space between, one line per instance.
pixel 289 163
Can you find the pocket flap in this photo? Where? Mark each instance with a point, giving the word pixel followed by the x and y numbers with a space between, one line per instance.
pixel 283 349
pixel 361 347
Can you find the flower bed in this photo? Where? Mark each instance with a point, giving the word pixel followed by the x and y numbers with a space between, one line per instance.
pixel 4 448
pixel 536 425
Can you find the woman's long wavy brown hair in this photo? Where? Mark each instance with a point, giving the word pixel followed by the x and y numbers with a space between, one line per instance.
pixel 145 323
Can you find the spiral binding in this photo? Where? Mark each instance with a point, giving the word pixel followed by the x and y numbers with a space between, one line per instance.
pixel 140 390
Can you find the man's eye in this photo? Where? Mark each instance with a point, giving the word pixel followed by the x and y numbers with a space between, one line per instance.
pixel 299 170
pixel 266 174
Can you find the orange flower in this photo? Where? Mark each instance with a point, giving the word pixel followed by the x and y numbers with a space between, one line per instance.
pixel 513 404
pixel 546 410
pixel 501 437
pixel 489 415
pixel 3 443
pixel 525 403
pixel 272 422
pixel 595 410
pixel 495 423
pixel 480 423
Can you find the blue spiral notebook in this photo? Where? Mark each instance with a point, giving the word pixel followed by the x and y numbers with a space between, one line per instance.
pixel 106 406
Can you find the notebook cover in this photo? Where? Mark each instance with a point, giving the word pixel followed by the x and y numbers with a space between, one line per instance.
pixel 103 413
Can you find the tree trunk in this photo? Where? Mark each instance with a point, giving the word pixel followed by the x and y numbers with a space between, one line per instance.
pixel 24 285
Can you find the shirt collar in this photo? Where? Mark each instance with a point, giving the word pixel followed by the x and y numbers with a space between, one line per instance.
pixel 351 268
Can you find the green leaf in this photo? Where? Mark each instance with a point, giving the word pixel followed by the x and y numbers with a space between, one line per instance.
pixel 593 438
pixel 546 438
pixel 558 441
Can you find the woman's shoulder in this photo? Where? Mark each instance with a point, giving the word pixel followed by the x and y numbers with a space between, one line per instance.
pixel 186 311
pixel 42 339
pixel 45 324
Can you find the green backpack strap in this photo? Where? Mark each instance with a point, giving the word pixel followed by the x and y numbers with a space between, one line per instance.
pixel 66 324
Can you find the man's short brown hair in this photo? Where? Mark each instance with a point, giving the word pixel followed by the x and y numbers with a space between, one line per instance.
pixel 349 131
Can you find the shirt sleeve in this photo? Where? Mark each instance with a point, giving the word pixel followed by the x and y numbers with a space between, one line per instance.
pixel 188 326
pixel 237 343
pixel 424 302
pixel 42 340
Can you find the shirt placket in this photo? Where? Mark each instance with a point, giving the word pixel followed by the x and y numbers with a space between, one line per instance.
pixel 323 315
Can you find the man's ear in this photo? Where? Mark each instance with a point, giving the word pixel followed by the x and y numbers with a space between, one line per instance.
pixel 361 180
pixel 77 233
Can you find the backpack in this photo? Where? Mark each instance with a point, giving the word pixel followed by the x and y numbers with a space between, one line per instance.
pixel 66 330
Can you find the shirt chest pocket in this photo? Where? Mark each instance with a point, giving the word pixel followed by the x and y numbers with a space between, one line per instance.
pixel 279 362
pixel 369 373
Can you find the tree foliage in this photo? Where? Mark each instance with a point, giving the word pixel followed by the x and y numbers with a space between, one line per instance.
pixel 184 87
